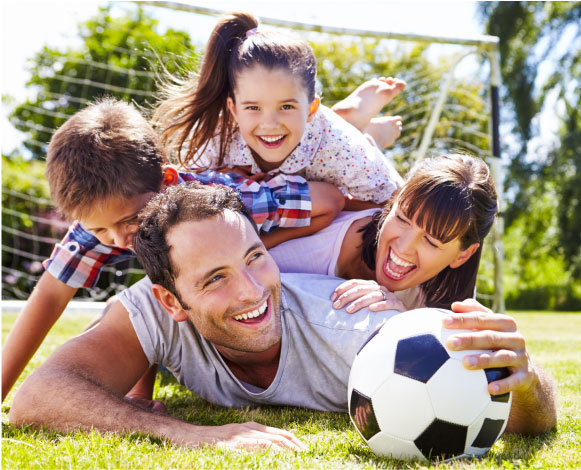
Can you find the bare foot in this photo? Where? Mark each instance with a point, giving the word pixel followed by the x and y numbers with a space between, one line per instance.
pixel 384 130
pixel 367 100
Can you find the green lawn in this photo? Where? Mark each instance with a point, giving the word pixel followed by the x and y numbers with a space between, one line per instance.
pixel 554 340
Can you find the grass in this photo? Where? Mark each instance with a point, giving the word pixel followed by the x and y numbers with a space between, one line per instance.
pixel 553 340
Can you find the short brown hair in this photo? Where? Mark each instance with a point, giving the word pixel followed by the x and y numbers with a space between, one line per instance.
pixel 107 149
pixel 181 203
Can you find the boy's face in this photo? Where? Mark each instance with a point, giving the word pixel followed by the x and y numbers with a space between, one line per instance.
pixel 114 220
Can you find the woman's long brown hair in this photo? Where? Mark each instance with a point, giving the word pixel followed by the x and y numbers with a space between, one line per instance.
pixel 450 197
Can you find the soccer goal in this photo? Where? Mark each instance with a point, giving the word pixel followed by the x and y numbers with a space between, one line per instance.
pixel 451 103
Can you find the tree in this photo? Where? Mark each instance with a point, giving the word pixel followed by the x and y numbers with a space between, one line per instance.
pixel 120 57
pixel 540 48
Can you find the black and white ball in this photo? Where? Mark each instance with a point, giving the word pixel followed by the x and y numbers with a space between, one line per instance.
pixel 410 396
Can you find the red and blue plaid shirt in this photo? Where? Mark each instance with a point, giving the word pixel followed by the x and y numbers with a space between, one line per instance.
pixel 282 201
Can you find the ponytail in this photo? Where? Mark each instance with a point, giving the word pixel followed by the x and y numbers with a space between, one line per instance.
pixel 195 111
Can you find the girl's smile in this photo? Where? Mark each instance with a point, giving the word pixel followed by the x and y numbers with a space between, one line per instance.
pixel 271 108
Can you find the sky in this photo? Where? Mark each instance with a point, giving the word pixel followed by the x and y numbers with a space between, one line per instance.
pixel 26 26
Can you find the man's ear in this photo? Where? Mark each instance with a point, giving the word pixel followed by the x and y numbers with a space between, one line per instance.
pixel 232 107
pixel 464 256
pixel 170 176
pixel 313 108
pixel 169 302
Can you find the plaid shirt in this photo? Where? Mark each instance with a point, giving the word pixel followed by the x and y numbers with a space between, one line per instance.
pixel 282 201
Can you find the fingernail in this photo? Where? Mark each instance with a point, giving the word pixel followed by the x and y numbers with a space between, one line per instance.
pixel 333 297
pixel 453 343
pixel 495 388
pixel 472 361
pixel 447 320
pixel 337 305
pixel 350 308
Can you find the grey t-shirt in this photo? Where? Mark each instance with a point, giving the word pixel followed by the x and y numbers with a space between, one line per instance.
pixel 318 347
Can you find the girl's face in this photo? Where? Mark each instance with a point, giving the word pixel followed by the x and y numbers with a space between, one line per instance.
pixel 407 256
pixel 271 108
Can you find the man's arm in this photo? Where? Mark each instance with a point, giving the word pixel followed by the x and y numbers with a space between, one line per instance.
pixel 534 408
pixel 81 386
pixel 44 307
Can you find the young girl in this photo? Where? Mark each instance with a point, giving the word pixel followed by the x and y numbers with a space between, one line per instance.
pixel 424 246
pixel 254 105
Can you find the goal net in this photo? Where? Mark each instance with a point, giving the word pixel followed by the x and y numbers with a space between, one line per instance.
pixel 445 107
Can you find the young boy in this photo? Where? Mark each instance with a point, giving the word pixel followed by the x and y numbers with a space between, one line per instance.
pixel 103 165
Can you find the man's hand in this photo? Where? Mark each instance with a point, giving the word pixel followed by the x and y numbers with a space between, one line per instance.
pixel 495 332
pixel 251 436
pixel 534 405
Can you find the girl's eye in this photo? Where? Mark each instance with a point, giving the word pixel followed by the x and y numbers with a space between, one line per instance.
pixel 401 219
pixel 252 108
pixel 287 106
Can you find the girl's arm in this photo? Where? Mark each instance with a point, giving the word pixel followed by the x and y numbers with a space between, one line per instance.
pixel 44 307
pixel 327 201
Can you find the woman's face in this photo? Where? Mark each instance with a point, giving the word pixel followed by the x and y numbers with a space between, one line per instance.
pixel 407 256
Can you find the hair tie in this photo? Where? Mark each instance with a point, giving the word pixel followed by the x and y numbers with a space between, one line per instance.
pixel 251 32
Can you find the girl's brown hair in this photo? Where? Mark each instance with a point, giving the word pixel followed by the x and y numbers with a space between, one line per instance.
pixel 195 111
pixel 450 197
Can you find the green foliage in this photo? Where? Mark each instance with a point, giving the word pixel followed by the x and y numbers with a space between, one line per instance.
pixel 536 274
pixel 552 340
pixel 106 65
pixel 540 50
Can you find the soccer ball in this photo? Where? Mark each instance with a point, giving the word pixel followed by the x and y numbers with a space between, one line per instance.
pixel 410 396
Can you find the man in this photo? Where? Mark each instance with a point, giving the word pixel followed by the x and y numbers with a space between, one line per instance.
pixel 237 336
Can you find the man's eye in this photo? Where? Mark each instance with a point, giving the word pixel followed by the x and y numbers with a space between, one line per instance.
pixel 214 279
pixel 256 255
pixel 287 106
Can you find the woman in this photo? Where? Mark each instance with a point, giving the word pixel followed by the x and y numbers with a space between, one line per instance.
pixel 424 246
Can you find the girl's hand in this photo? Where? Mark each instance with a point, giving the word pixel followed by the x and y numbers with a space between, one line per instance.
pixel 359 294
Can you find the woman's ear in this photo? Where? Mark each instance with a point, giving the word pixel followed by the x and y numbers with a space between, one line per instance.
pixel 313 108
pixel 170 176
pixel 169 302
pixel 464 256
pixel 232 108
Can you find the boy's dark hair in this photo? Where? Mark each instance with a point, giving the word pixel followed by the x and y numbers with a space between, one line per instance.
pixel 181 203
pixel 450 197
pixel 107 149
pixel 195 111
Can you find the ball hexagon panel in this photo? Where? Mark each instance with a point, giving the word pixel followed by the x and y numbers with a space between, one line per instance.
pixel 402 407
pixel 390 446
pixel 419 357
pixel 458 395
pixel 362 415
pixel 442 439
pixel 370 367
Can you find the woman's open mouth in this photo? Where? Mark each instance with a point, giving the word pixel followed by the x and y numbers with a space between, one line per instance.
pixel 397 268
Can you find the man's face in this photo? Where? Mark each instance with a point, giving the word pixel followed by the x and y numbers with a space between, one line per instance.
pixel 229 283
